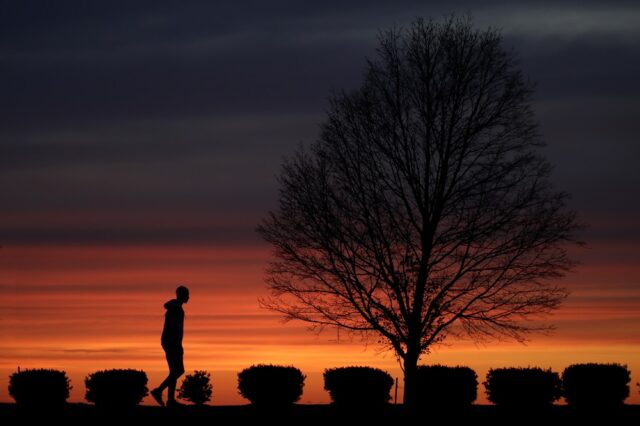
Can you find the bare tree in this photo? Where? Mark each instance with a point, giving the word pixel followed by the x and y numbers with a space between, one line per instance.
pixel 424 209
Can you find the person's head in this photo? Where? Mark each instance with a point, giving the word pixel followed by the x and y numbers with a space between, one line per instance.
pixel 182 294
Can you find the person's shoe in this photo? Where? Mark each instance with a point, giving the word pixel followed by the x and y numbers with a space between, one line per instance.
pixel 157 395
pixel 172 403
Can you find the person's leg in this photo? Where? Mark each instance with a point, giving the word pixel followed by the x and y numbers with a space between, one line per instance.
pixel 166 383
pixel 171 393
pixel 176 369
pixel 157 392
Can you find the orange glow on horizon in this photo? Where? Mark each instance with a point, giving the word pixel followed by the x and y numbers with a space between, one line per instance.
pixel 84 308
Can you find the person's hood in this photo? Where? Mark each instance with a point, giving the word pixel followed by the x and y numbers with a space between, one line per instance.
pixel 172 304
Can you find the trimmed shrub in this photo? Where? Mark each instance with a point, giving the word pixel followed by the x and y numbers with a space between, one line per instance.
pixel 523 386
pixel 116 388
pixel 592 385
pixel 271 384
pixel 439 385
pixel 39 387
pixel 196 387
pixel 349 386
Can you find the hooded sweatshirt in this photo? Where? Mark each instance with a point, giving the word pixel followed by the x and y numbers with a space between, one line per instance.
pixel 173 324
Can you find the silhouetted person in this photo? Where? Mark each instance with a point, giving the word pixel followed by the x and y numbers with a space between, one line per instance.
pixel 172 345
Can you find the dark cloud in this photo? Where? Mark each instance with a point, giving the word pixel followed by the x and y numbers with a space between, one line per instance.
pixel 267 79
pixel 173 108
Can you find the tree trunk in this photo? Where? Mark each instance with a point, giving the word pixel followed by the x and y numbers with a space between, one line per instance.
pixel 410 379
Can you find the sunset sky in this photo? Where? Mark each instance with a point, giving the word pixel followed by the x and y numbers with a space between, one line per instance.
pixel 140 144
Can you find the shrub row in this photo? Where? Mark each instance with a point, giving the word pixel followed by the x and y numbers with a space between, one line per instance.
pixel 116 388
pixel 523 386
pixel 272 385
pixel 39 387
pixel 582 385
pixel 196 387
pixel 358 386
pixel 439 385
pixel 596 384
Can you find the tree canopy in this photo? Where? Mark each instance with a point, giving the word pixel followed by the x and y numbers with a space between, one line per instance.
pixel 425 208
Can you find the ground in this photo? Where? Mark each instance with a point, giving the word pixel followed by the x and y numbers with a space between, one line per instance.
pixel 84 414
